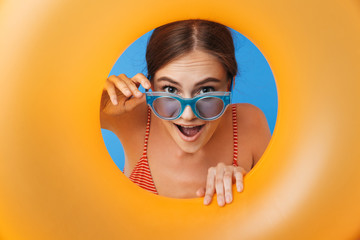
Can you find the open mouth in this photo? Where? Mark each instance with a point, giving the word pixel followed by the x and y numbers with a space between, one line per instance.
pixel 189 131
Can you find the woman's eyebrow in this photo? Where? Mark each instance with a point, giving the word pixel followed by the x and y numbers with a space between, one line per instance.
pixel 166 79
pixel 207 80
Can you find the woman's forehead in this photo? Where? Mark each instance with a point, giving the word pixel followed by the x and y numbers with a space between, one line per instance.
pixel 196 65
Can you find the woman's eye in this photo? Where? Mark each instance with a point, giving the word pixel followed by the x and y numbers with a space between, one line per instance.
pixel 206 89
pixel 170 89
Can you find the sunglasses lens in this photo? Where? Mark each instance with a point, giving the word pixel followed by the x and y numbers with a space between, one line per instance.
pixel 209 107
pixel 167 107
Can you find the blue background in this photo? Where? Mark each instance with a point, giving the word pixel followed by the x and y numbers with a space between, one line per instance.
pixel 254 84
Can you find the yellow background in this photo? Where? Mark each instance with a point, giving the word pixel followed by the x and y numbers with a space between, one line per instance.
pixel 57 180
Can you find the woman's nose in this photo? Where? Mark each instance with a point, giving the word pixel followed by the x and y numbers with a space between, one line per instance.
pixel 188 114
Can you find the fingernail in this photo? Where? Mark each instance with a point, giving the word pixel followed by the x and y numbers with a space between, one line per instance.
pixel 239 187
pixel 147 85
pixel 220 201
pixel 114 100
pixel 206 201
pixel 228 199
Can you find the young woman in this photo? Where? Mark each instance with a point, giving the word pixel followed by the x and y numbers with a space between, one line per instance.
pixel 182 138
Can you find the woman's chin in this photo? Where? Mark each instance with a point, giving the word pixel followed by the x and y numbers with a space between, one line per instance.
pixel 189 148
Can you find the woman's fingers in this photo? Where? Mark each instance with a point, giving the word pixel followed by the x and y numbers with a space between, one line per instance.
pixel 239 174
pixel 219 184
pixel 219 180
pixel 210 186
pixel 119 83
pixel 228 176
pixel 140 78
pixel 134 83
pixel 131 85
pixel 110 88
pixel 123 93
pixel 127 86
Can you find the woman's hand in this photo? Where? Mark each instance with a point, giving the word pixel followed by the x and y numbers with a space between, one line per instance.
pixel 220 180
pixel 121 94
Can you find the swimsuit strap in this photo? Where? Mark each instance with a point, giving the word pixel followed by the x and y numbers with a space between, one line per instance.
pixel 235 135
pixel 147 133
pixel 141 174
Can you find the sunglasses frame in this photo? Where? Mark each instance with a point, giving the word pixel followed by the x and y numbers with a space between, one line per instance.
pixel 224 96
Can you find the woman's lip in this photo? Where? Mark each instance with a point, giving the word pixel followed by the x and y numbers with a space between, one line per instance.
pixel 189 125
pixel 192 138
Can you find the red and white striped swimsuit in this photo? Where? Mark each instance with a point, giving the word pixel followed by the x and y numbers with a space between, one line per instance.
pixel 141 174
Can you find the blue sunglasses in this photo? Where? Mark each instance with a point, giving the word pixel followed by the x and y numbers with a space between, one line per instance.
pixel 170 106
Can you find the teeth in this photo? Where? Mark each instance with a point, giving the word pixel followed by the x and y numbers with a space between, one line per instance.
pixel 189 126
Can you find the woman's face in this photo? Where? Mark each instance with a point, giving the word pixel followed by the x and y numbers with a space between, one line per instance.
pixel 189 75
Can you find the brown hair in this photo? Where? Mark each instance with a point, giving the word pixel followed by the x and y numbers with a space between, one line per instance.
pixel 177 38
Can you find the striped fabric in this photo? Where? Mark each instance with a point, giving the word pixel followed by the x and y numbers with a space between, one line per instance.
pixel 141 174
pixel 235 135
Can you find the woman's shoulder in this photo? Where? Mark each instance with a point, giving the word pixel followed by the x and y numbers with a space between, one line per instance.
pixel 253 126
pixel 246 107
pixel 249 111
pixel 251 117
